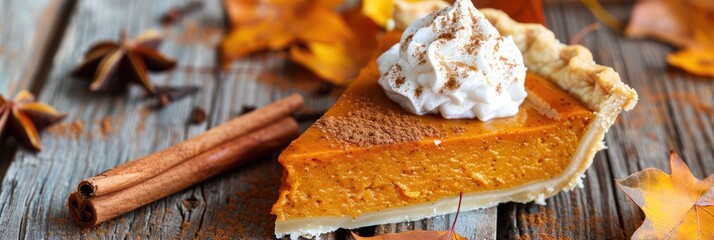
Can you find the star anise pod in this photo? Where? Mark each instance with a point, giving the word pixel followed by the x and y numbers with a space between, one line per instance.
pixel 23 118
pixel 113 65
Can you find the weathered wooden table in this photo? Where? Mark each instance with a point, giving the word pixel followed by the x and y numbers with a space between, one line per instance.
pixel 41 40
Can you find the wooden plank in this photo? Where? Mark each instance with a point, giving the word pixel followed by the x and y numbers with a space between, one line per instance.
pixel 235 204
pixel 476 224
pixel 587 212
pixel 26 34
pixel 26 39
pixel 35 189
pixel 662 120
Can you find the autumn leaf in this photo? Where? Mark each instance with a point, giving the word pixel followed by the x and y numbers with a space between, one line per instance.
pixel 685 24
pixel 397 14
pixel 339 60
pixel 699 61
pixel 382 12
pixel 420 234
pixel 332 45
pixel 676 206
pixel 526 11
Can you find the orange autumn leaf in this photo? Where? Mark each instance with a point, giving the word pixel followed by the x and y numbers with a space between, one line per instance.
pixel 332 45
pixel 682 23
pixel 699 61
pixel 339 60
pixel 676 206
pixel 420 234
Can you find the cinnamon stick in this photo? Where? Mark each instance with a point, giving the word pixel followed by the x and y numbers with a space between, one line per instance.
pixel 135 172
pixel 88 212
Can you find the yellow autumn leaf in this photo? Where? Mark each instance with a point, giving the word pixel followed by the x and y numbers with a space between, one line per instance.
pixel 333 45
pixel 382 11
pixel 339 61
pixel 676 206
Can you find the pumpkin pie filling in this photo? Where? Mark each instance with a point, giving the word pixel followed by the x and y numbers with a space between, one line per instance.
pixel 328 174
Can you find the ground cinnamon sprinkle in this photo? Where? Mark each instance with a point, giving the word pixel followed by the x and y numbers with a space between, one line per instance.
pixel 143 116
pixel 106 126
pixel 59 129
pixel 545 222
pixel 368 125
pixel 74 129
pixel 194 32
pixel 247 213
pixel 418 91
pixel 459 130
pixel 693 100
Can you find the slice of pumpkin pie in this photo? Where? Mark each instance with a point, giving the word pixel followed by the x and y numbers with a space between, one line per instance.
pixel 451 108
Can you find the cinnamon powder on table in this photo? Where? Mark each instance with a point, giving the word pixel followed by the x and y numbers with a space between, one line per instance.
pixel 73 129
pixel 368 125
pixel 106 125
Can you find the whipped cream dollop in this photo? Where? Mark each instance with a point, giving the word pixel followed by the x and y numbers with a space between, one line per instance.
pixel 455 63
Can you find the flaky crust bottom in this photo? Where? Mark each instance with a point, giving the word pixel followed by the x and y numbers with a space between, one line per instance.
pixel 570 67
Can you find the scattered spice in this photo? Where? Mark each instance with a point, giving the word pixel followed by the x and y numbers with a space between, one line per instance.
pixel 106 124
pixel 24 117
pixel 142 122
pixel 544 221
pixel 459 130
pixel 185 226
pixel 198 115
pixel 76 129
pixel 166 94
pixel 177 13
pixel 195 32
pixel 113 65
pixel 693 100
pixel 247 213
pixel 367 124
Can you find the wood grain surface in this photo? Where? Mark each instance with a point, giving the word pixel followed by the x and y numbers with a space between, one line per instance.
pixel 676 111
pixel 26 47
